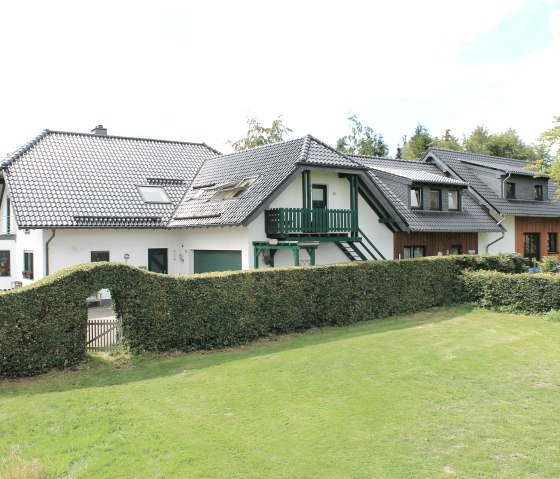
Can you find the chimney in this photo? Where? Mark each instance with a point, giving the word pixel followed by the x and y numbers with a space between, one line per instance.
pixel 99 131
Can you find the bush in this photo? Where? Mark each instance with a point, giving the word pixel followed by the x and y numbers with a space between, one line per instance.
pixel 548 264
pixel 523 293
pixel 43 326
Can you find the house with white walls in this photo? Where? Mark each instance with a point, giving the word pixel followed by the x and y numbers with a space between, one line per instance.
pixel 520 199
pixel 179 207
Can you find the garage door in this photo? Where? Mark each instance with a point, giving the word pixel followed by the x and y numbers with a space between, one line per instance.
pixel 216 260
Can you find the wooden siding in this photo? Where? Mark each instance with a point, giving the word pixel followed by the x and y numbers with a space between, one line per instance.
pixel 527 224
pixel 434 242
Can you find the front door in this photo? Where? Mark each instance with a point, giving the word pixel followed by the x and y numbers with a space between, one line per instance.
pixel 319 219
pixel 157 260
pixel 319 196
pixel 531 246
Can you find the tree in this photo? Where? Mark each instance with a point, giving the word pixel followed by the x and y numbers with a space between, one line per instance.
pixel 477 141
pixel 507 144
pixel 362 141
pixel 447 141
pixel 258 135
pixel 419 142
pixel 550 139
pixel 548 162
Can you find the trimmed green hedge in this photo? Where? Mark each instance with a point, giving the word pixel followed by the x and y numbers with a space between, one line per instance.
pixel 43 326
pixel 523 293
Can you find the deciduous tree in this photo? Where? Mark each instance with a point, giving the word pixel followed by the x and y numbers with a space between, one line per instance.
pixel 362 141
pixel 258 135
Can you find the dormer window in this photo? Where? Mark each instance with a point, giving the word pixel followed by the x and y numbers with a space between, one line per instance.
pixel 453 200
pixel 416 198
pixel 510 190
pixel 153 194
pixel 435 199
pixel 232 189
pixel 539 193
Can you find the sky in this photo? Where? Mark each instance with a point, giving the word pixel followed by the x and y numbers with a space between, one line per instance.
pixel 197 70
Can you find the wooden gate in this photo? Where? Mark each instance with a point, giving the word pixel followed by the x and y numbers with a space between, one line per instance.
pixel 104 334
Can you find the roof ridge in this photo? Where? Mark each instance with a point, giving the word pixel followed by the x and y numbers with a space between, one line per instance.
pixel 27 146
pixel 477 154
pixel 120 137
pixel 334 150
pixel 305 148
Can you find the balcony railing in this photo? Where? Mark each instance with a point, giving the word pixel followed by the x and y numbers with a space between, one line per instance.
pixel 281 222
pixel 7 225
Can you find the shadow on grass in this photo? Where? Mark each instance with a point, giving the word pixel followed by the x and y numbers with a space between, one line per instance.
pixel 104 370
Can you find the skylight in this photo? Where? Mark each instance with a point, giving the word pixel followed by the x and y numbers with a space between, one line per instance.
pixel 153 194
pixel 232 188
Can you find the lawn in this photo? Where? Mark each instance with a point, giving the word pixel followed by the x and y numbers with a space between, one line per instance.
pixel 446 393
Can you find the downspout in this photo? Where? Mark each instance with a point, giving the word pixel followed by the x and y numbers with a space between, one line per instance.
pixel 504 231
pixel 47 252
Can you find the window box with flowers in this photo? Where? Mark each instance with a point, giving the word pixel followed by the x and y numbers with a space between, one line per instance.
pixel 27 274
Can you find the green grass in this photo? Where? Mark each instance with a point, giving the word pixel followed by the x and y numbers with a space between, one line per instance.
pixel 447 393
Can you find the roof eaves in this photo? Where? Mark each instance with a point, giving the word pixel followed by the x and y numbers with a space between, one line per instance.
pixel 386 202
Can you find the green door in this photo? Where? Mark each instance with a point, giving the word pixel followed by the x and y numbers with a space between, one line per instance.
pixel 216 260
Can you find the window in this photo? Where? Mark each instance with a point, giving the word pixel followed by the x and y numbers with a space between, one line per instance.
pixel 5 263
pixel 453 199
pixel 552 243
pixel 97 256
pixel 232 189
pixel 435 199
pixel 27 265
pixel 416 198
pixel 538 192
pixel 153 194
pixel 456 249
pixel 414 251
pixel 510 190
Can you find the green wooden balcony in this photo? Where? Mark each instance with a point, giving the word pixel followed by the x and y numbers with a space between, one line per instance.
pixel 310 222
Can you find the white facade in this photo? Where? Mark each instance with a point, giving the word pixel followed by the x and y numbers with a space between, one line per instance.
pixel 504 245
pixel 74 246
pixel 17 243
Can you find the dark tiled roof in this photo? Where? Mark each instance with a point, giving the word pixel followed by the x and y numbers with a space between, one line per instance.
pixel 272 165
pixel 63 179
pixel 471 167
pixel 396 188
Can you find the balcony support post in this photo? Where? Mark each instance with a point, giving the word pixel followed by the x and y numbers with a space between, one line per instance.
pixel 306 189
pixel 354 203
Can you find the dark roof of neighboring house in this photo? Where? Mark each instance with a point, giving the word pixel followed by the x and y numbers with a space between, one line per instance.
pixel 394 178
pixel 62 179
pixel 273 166
pixel 484 174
